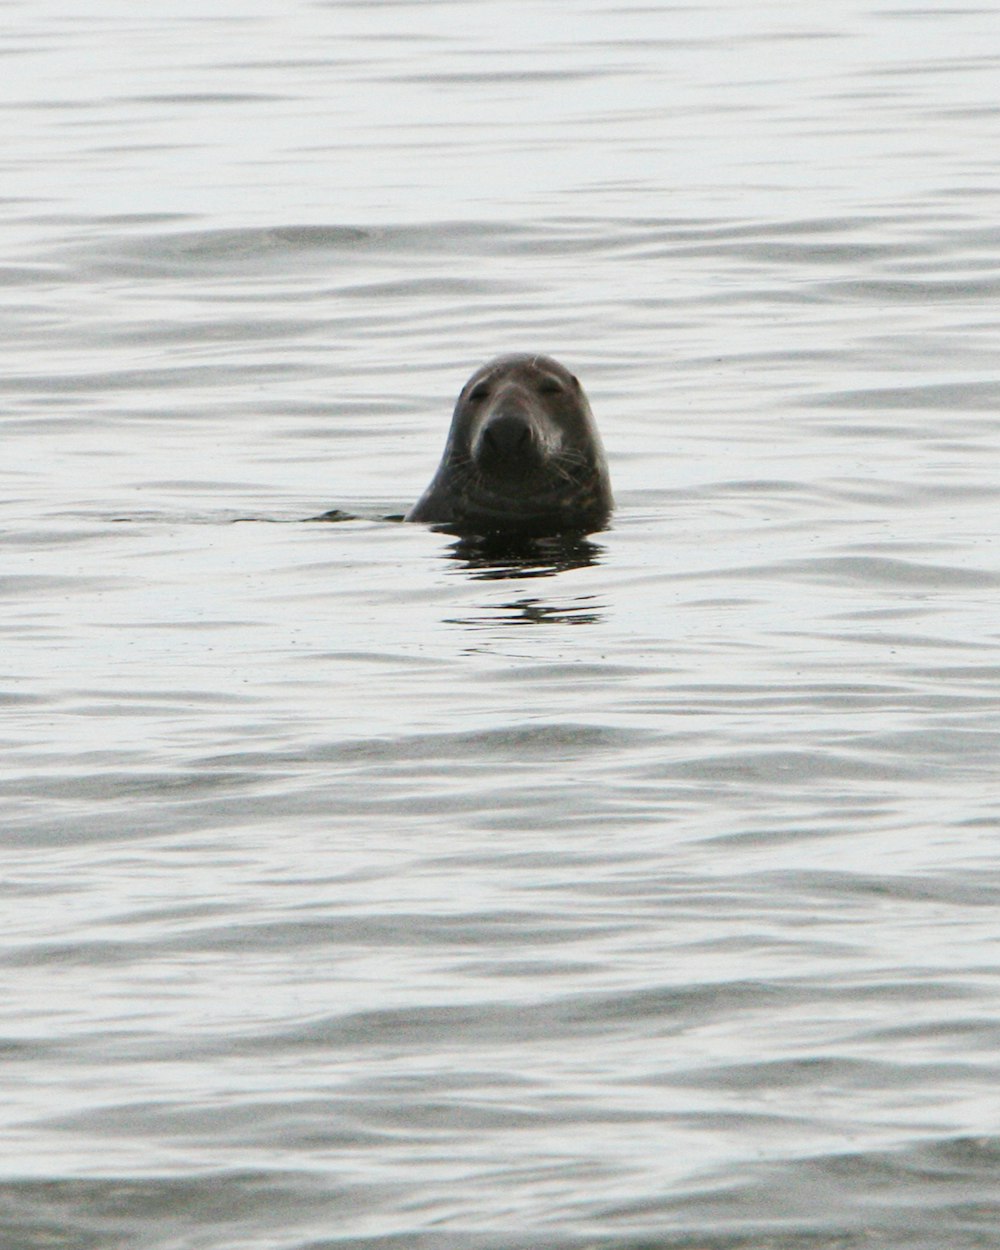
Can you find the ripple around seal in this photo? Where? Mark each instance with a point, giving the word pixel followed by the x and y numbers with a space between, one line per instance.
pixel 798 1203
pixel 807 1209
pixel 196 253
pixel 948 396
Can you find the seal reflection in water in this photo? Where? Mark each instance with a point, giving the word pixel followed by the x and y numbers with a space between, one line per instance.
pixel 523 457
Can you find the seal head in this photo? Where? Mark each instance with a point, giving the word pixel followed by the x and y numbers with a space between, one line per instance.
pixel 523 456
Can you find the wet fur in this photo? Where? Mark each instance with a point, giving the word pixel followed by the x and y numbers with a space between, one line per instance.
pixel 562 488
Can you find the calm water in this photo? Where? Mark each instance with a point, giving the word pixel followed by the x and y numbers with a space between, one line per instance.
pixel 363 891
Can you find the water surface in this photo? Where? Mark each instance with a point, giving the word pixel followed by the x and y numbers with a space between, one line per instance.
pixel 363 889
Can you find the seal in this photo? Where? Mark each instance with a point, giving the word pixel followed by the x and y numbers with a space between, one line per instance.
pixel 523 456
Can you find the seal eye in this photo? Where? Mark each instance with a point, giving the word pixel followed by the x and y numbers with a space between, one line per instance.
pixel 479 392
pixel 550 386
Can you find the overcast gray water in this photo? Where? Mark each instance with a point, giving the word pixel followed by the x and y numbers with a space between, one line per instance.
pixel 362 890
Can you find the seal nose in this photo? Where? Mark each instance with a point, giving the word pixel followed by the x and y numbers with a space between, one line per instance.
pixel 509 435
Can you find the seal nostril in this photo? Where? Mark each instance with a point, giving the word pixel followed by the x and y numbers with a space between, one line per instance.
pixel 508 435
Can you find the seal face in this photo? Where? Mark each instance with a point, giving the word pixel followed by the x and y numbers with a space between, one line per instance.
pixel 523 456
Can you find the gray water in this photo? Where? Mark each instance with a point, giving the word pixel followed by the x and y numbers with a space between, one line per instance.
pixel 360 890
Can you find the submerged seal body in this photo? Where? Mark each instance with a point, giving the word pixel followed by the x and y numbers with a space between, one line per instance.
pixel 523 456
